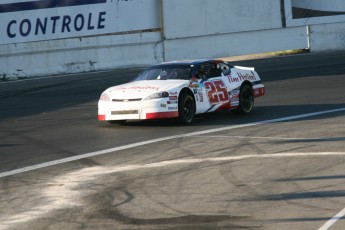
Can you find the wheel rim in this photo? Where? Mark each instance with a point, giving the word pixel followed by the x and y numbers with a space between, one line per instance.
pixel 247 100
pixel 188 108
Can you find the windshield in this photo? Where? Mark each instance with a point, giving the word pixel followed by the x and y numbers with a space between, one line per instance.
pixel 166 72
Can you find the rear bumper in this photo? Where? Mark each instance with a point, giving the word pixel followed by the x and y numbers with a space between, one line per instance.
pixel 259 90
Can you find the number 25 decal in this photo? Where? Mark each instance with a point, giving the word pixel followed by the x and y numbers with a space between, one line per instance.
pixel 216 91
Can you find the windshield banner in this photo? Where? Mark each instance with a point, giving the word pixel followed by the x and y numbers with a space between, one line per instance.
pixel 37 20
pixel 307 12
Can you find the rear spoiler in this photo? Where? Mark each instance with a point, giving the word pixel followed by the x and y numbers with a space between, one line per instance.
pixel 245 68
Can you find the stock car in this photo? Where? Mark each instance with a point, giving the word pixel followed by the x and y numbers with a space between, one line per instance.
pixel 180 90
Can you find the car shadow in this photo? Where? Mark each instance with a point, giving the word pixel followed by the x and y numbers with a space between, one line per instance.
pixel 260 113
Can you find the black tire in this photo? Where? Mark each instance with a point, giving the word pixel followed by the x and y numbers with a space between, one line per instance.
pixel 186 107
pixel 117 122
pixel 246 100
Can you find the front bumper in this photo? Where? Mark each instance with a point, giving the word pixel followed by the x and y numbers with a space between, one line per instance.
pixel 138 110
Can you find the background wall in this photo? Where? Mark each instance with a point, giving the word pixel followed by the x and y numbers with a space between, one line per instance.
pixel 202 17
pixel 220 28
pixel 44 38
pixel 326 37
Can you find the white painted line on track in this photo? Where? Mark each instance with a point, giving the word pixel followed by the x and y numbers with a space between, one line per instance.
pixel 92 171
pixel 129 146
pixel 101 170
pixel 332 221
pixel 270 138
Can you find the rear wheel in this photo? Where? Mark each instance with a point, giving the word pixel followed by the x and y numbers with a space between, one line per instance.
pixel 246 100
pixel 186 108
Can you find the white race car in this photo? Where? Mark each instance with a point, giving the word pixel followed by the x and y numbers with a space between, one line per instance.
pixel 181 89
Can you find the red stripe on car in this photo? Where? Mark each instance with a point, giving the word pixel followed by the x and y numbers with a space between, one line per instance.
pixel 101 117
pixel 259 92
pixel 224 106
pixel 162 115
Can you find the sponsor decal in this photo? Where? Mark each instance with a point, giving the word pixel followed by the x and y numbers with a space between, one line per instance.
pixel 234 103
pixel 193 85
pixel 247 76
pixel 216 91
pixel 173 98
pixel 172 108
pixel 44 4
pixel 173 93
pixel 43 18
pixel 37 20
pixel 201 96
pixel 172 102
pixel 233 79
pixel 234 93
pixel 163 105
pixel 234 97
pixel 55 24
pixel 137 88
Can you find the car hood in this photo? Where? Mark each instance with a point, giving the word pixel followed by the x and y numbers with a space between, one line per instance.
pixel 142 89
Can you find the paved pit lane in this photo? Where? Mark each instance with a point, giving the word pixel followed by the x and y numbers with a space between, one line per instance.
pixel 231 172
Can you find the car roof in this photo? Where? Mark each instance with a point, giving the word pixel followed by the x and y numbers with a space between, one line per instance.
pixel 189 63
pixel 195 62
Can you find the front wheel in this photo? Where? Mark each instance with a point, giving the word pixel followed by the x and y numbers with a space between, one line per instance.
pixel 186 108
pixel 246 100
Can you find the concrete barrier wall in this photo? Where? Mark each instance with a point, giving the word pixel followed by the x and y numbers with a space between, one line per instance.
pixel 232 44
pixel 326 37
pixel 191 18
pixel 79 54
pixel 220 28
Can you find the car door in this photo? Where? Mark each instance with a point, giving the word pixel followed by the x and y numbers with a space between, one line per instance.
pixel 215 86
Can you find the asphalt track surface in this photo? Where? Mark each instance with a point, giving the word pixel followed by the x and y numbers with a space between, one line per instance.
pixel 281 167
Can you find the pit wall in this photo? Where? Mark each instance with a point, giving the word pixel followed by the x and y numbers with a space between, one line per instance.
pixel 144 32
pixel 326 37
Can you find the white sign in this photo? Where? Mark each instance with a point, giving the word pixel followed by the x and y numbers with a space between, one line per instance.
pixel 36 20
pixel 307 12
